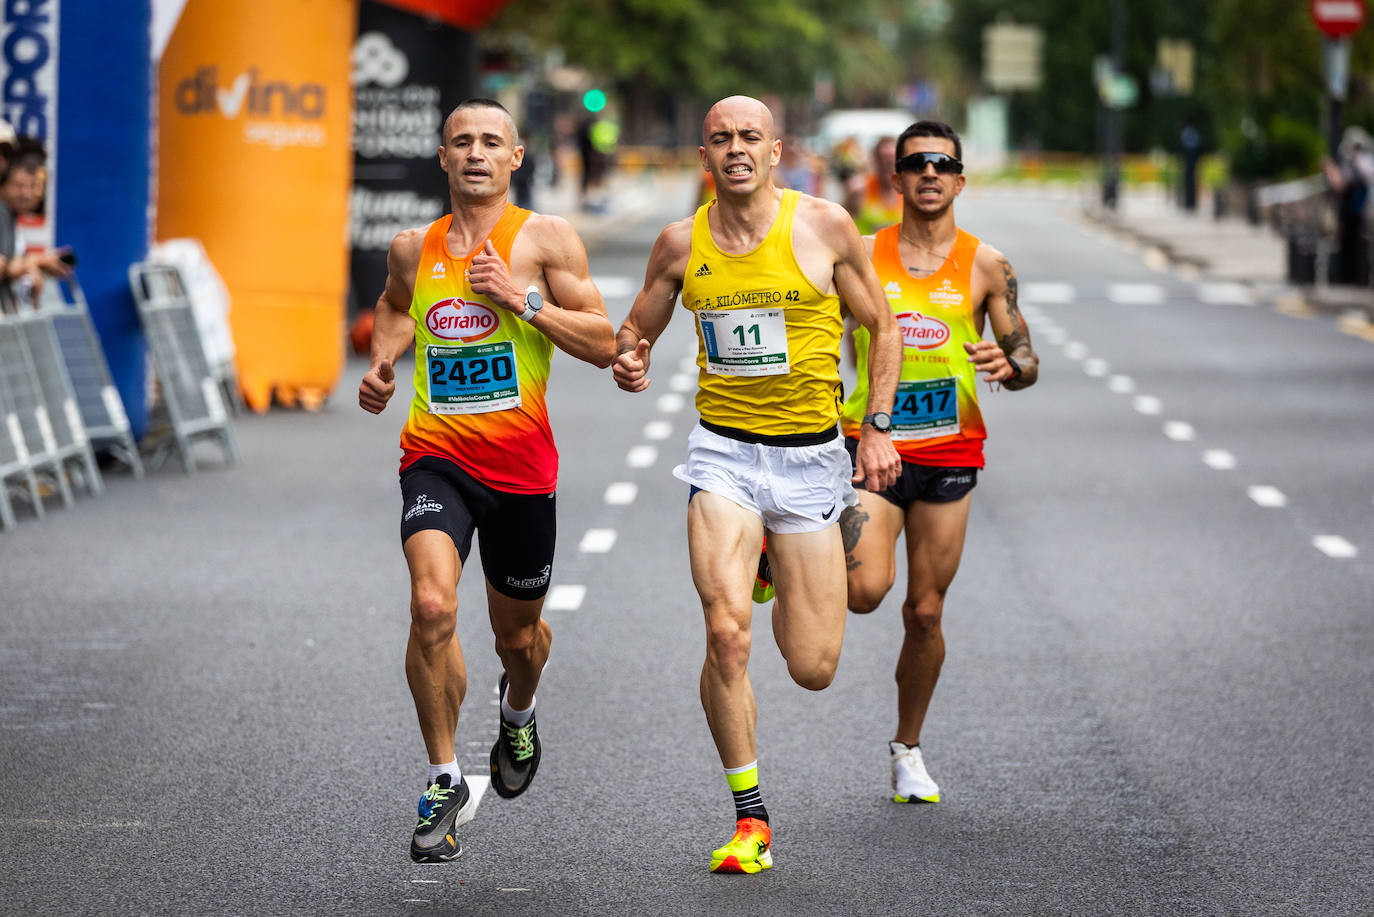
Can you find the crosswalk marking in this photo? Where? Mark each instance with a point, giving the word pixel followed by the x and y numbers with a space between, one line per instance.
pixel 1135 294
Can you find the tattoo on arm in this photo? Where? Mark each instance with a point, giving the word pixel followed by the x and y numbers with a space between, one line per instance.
pixel 1020 335
pixel 852 520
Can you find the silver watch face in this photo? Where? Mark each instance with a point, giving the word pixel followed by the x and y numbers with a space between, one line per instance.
pixel 533 300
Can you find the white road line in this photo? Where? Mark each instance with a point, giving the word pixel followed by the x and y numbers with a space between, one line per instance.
pixel 1219 459
pixel 1075 350
pixel 1056 336
pixel 1334 546
pixel 1121 385
pixel 613 287
pixel 670 403
pixel 688 364
pixel 681 382
pixel 621 493
pixel 1225 294
pixel 658 429
pixel 565 598
pixel 597 541
pixel 1096 367
pixel 1135 294
pixel 1147 404
pixel 1047 293
pixel 1266 496
pixel 641 457
pixel 425 881
pixel 1180 431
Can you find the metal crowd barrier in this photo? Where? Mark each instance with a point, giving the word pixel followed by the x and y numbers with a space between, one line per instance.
pixel 33 438
pixel 190 388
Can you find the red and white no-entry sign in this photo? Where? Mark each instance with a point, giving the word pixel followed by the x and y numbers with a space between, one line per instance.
pixel 1338 18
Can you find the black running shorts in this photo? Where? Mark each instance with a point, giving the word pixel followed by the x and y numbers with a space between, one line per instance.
pixel 927 483
pixel 517 529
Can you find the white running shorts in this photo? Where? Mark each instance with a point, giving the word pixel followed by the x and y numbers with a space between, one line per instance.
pixel 792 488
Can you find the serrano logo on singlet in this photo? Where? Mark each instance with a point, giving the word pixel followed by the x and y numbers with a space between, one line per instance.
pixel 459 320
pixel 947 294
pixel 923 332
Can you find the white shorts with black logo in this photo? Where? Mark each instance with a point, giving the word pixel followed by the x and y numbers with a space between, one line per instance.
pixel 792 488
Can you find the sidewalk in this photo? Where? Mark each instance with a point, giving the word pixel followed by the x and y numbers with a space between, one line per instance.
pixel 1228 249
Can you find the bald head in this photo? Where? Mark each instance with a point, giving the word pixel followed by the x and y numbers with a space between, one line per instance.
pixel 738 110
pixel 482 106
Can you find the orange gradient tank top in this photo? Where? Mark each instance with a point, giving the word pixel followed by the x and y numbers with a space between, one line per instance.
pixel 480 373
pixel 935 420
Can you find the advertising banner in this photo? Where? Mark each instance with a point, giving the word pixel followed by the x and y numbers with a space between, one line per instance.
pixel 408 73
pixel 28 100
pixel 254 160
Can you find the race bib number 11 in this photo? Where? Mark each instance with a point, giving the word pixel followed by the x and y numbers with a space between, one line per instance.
pixel 472 378
pixel 745 342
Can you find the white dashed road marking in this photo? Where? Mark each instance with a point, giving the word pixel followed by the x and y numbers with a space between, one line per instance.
pixel 597 541
pixel 670 403
pixel 1180 431
pixel 1096 367
pixel 1225 294
pixel 1135 294
pixel 1266 496
pixel 658 429
pixel 1121 385
pixel 641 457
pixel 614 287
pixel 1219 459
pixel 1147 404
pixel 1334 546
pixel 622 493
pixel 1075 350
pixel 1046 293
pixel 681 382
pixel 565 598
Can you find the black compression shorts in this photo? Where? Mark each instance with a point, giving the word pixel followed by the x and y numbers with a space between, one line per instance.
pixel 927 483
pixel 517 529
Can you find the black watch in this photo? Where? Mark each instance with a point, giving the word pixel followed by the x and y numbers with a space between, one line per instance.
pixel 1015 368
pixel 879 421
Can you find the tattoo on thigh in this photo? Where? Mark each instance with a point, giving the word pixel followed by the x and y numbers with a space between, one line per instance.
pixel 851 525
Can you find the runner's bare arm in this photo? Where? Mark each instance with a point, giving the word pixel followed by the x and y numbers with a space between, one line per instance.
pixel 877 464
pixel 574 315
pixel 653 307
pixel 1008 326
pixel 393 328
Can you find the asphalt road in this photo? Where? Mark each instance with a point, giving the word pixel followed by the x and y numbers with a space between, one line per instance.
pixel 1157 697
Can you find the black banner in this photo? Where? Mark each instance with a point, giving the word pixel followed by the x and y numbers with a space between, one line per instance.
pixel 408 73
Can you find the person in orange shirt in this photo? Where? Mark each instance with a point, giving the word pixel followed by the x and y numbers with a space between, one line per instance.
pixel 943 285
pixel 485 295
pixel 870 197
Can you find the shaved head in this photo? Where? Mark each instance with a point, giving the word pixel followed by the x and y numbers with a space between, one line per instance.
pixel 742 110
pixel 479 104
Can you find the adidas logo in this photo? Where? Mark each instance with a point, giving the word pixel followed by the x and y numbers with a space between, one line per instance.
pixel 703 271
pixel 439 271
pixel 893 288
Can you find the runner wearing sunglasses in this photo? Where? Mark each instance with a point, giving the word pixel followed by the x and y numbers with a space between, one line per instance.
pixel 943 285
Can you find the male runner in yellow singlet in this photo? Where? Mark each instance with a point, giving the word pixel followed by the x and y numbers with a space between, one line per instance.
pixel 762 271
pixel 942 284
pixel 485 294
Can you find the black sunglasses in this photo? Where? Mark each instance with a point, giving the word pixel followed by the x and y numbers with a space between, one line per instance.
pixel 944 163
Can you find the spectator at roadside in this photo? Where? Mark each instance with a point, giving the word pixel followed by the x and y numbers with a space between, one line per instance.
pixel 1350 176
pixel 23 187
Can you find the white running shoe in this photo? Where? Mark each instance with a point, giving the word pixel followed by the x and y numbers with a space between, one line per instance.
pixel 910 782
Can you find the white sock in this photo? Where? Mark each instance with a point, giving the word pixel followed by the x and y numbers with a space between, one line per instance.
pixel 455 776
pixel 513 716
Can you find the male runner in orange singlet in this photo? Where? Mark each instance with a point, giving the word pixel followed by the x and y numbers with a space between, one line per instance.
pixel 942 284
pixel 485 295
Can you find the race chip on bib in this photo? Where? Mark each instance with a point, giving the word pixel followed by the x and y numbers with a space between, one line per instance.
pixel 745 342
pixel 472 378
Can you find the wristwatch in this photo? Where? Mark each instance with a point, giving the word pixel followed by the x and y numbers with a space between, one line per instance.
pixel 533 303
pixel 879 421
pixel 1015 368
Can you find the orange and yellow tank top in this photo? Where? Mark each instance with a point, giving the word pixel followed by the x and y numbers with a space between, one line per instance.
pixel 935 420
pixel 881 206
pixel 768 340
pixel 480 373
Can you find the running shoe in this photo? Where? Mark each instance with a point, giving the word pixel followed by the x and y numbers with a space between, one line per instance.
pixel 748 851
pixel 763 582
pixel 910 782
pixel 442 810
pixel 515 756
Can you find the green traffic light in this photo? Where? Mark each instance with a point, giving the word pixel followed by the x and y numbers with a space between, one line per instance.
pixel 594 100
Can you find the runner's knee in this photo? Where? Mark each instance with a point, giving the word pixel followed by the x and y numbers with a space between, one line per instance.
pixel 815 672
pixel 727 646
pixel 922 615
pixel 433 612
pixel 864 596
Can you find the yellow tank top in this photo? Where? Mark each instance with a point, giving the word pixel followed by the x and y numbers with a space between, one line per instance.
pixel 768 340
pixel 935 420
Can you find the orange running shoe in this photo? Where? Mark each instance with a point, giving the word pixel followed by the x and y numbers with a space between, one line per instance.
pixel 763 581
pixel 748 851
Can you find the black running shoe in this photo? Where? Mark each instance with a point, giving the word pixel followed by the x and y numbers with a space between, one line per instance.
pixel 442 810
pixel 515 756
